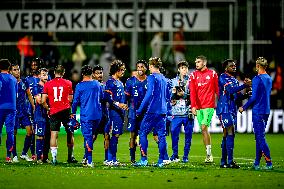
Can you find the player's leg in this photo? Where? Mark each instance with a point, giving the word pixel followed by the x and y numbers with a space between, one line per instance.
pixel 117 127
pixel 224 154
pixel 9 119
pixel 26 122
pixel 132 140
pixel 259 122
pixel 40 131
pixel 160 124
pixel 188 130
pixel 175 131
pixel 55 124
pixel 205 123
pixel 46 146
pixel 14 152
pixel 65 115
pixel 86 128
pixel 145 128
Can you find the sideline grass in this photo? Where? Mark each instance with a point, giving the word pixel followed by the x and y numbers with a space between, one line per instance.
pixel 195 174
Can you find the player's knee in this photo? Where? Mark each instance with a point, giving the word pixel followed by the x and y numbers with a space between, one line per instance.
pixel 117 135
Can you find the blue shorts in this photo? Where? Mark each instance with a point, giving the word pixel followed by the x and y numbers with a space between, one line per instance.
pixel 22 122
pixel 116 125
pixel 8 117
pixel 155 122
pixel 227 120
pixel 133 125
pixel 40 127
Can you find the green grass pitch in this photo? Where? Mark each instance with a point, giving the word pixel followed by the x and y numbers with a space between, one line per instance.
pixel 195 174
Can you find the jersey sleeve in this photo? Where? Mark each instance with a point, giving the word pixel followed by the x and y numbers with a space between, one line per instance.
pixel 192 88
pixel 76 99
pixel 216 86
pixel 108 93
pixel 128 89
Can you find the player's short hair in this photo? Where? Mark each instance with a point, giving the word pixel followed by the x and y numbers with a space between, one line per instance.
pixel 142 62
pixel 226 62
pixel 39 62
pixel 86 70
pixel 202 57
pixel 42 70
pixel 183 63
pixel 60 70
pixel 5 64
pixel 115 66
pixel 262 62
pixel 156 62
pixel 97 67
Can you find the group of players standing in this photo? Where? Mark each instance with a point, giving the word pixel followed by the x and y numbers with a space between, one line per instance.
pixel 154 103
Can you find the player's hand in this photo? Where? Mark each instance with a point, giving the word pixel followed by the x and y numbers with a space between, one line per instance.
pixel 194 111
pixel 248 82
pixel 73 116
pixel 241 109
pixel 123 106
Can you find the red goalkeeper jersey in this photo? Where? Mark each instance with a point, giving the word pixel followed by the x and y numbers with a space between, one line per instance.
pixel 203 87
pixel 58 91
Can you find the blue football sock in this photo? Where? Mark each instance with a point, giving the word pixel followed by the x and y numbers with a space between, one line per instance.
pixel 27 144
pixel 39 148
pixel 114 142
pixel 15 146
pixel 89 157
pixel 106 154
pixel 32 146
pixel 224 152
pixel 230 148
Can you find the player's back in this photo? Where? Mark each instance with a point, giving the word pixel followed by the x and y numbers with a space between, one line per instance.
pixel 89 94
pixel 8 91
pixel 160 93
pixel 262 102
pixel 58 91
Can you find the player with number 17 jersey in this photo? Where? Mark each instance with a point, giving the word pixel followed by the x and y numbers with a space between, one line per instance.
pixel 58 91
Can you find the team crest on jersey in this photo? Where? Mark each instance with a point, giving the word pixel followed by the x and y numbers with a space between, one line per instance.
pixel 207 77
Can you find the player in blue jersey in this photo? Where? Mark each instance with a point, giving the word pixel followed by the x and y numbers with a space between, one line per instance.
pixel 260 103
pixel 135 90
pixel 154 107
pixel 116 98
pixel 32 80
pixel 23 116
pixel 181 111
pixel 229 98
pixel 88 95
pixel 98 75
pixel 8 93
pixel 41 119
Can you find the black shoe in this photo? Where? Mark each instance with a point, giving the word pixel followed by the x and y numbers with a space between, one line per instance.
pixel 72 160
pixel 224 166
pixel 233 165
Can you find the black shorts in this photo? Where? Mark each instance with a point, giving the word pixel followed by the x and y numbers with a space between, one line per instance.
pixel 58 118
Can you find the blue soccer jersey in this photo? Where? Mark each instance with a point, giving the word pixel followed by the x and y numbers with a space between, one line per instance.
pixel 229 94
pixel 88 94
pixel 135 91
pixel 22 99
pixel 40 113
pixel 260 99
pixel 8 99
pixel 115 92
pixel 157 95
